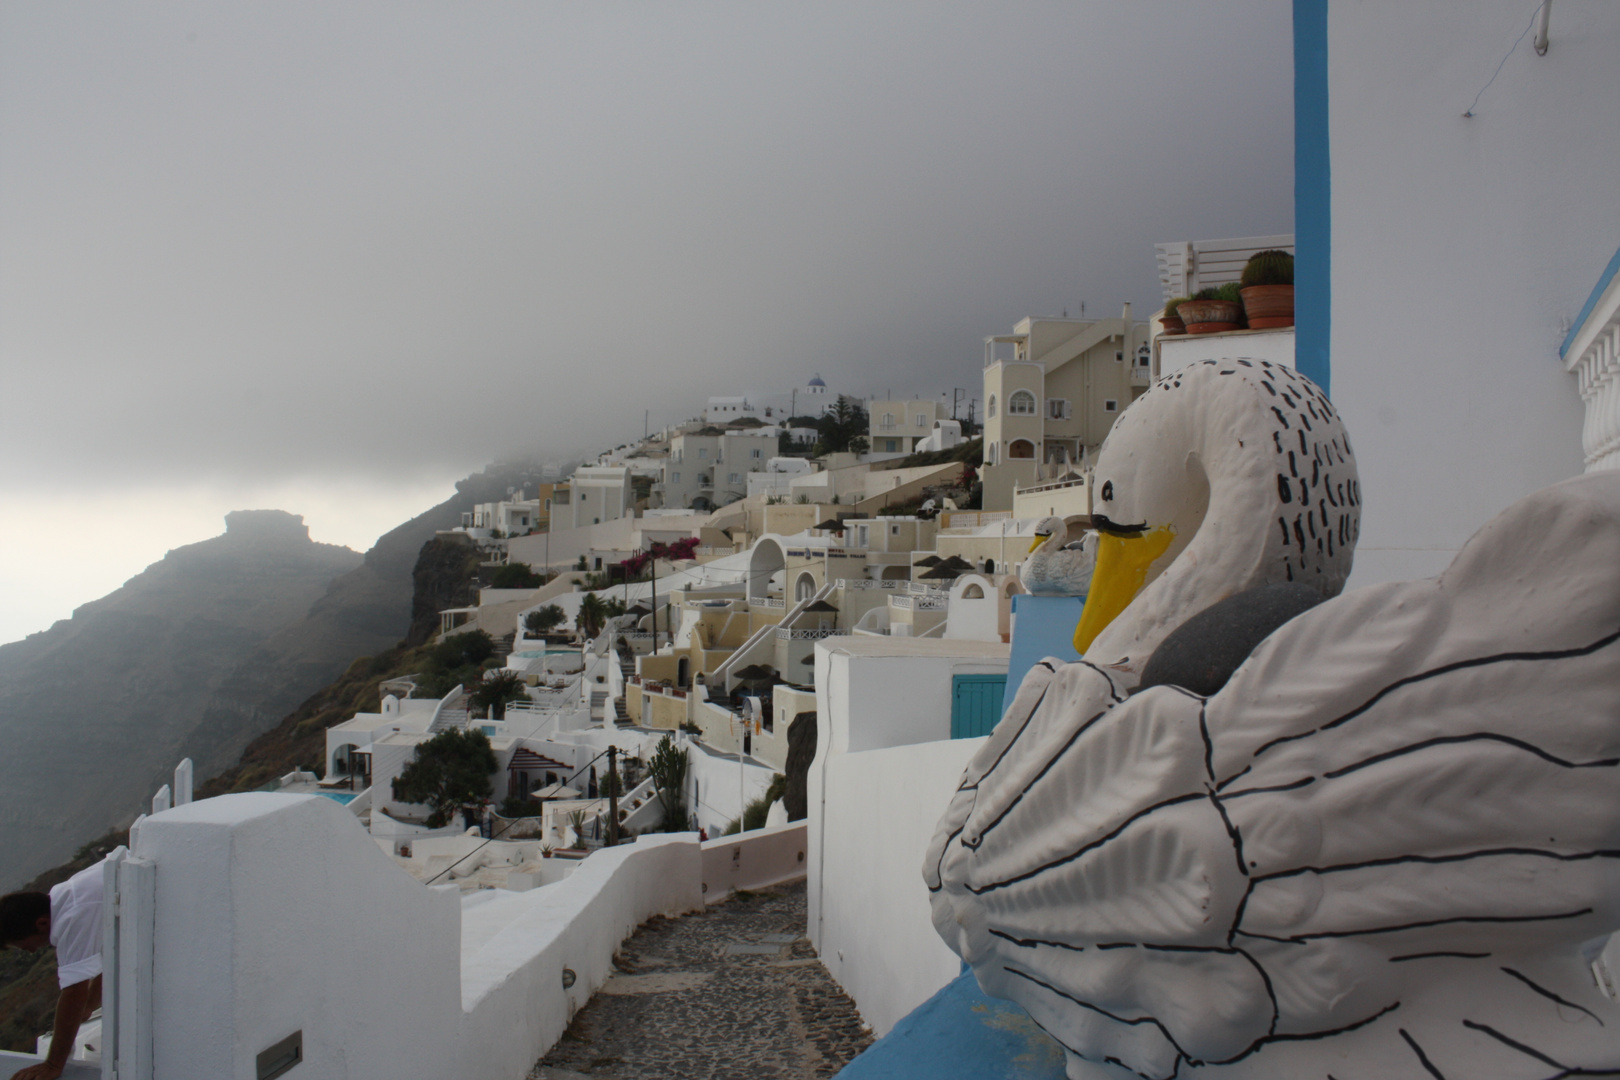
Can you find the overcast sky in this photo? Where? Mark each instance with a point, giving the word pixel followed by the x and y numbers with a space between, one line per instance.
pixel 331 256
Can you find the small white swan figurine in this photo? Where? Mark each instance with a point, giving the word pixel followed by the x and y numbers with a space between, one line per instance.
pixel 1056 567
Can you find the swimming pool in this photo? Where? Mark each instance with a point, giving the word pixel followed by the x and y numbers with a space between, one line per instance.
pixel 344 797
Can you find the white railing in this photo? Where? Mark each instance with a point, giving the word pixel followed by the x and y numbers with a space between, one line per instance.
pixel 806 635
pixel 1594 360
pixel 868 583
pixel 918 603
pixel 768 601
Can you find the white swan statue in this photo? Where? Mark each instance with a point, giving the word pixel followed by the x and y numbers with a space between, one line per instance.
pixel 1388 847
pixel 1056 567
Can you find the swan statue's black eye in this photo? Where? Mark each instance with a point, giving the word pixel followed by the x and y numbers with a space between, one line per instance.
pixel 1108 490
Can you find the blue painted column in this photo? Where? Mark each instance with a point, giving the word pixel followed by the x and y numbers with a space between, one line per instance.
pixel 1313 195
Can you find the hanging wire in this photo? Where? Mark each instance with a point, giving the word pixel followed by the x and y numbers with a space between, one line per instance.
pixel 1468 114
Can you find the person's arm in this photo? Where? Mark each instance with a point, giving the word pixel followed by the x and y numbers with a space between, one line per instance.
pixel 73 1006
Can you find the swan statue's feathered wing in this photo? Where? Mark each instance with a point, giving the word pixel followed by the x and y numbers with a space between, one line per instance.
pixel 1384 849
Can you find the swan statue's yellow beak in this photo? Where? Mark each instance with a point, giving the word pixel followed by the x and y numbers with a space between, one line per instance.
pixel 1039 540
pixel 1122 569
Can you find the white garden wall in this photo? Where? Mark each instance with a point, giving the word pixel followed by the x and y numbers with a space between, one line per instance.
pixel 1461 248
pixel 871 817
pixel 277 913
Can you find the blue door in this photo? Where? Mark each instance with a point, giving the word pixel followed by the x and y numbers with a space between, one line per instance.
pixel 976 704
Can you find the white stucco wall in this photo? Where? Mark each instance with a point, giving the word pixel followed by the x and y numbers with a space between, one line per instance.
pixel 874 692
pixel 714 779
pixel 276 913
pixel 1460 249
pixel 871 817
pixel 1178 351
pixel 753 860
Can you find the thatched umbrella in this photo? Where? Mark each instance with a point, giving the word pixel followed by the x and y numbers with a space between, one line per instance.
pixel 831 526
pixel 821 605
pixel 941 572
pixel 929 560
pixel 958 563
pixel 755 673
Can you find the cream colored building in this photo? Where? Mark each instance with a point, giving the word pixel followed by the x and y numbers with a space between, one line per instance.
pixel 709 468
pixel 595 494
pixel 1052 390
pixel 896 427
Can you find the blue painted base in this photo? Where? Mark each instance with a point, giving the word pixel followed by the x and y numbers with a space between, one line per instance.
pixel 959 1032
pixel 1042 626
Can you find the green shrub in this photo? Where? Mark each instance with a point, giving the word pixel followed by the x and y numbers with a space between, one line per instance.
pixel 1211 293
pixel 1271 267
pixel 1170 308
pixel 1230 292
pixel 515 576
pixel 449 771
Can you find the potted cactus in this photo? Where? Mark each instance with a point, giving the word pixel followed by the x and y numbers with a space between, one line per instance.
pixel 1171 319
pixel 1268 290
pixel 1213 310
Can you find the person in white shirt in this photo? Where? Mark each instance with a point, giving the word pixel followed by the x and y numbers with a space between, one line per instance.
pixel 69 918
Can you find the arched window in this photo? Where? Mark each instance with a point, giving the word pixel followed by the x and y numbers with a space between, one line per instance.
pixel 1021 404
pixel 973 592
pixel 991 411
pixel 805 587
pixel 1021 449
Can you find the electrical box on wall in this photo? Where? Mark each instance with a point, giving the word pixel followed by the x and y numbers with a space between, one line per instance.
pixel 280 1058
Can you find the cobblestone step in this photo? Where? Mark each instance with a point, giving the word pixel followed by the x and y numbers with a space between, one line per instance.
pixel 735 992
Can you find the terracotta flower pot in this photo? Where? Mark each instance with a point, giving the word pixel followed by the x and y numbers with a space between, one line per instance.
pixel 1210 316
pixel 1173 325
pixel 1269 306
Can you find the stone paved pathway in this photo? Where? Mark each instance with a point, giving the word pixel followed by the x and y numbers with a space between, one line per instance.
pixel 732 993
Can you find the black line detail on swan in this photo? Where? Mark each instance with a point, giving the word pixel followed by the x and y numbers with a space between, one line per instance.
pixel 1421 1056
pixel 1440 860
pixel 1484 736
pixel 1308 1036
pixel 939 867
pixel 1153 1020
pixel 1296 785
pixel 1231 831
pixel 1209 745
pixel 1030 943
pixel 1445 669
pixel 1530 1051
pixel 1550 996
pixel 1300 939
pixel 1113 694
pixel 973 845
pixel 1016 736
pixel 1084 849
pixel 1442 953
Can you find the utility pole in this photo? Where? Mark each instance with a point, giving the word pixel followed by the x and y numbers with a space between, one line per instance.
pixel 613 796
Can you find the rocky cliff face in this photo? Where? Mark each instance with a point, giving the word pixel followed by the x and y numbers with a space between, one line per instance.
pixel 194 657
pixel 95 709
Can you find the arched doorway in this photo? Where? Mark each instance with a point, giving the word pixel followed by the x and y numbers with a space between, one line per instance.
pixel 764 562
pixel 1020 450
pixel 805 587
pixel 683 673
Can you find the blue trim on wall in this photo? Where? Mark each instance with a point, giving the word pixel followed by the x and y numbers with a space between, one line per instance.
pixel 1313 195
pixel 1591 302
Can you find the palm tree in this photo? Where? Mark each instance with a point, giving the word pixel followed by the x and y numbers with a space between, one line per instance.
pixel 592 615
